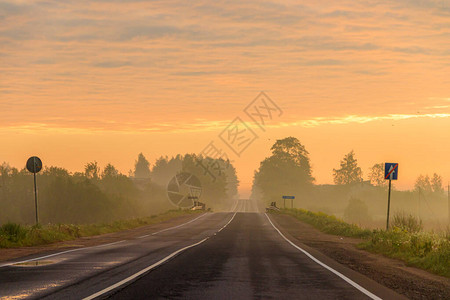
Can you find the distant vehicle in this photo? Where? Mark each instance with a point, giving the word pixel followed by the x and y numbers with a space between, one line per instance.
pixel 198 206
pixel 273 206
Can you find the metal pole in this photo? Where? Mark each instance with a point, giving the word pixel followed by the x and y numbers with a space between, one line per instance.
pixel 36 199
pixel 284 201
pixel 292 203
pixel 448 195
pixel 389 204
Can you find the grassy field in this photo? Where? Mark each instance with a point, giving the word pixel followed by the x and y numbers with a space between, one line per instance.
pixel 16 235
pixel 405 241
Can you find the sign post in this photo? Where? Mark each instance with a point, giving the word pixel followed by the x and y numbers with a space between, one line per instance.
pixel 292 200
pixel 391 173
pixel 34 165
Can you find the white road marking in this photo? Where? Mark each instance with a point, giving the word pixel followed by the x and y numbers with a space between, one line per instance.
pixel 178 226
pixel 342 276
pixel 227 223
pixel 58 253
pixel 149 268
pixel 234 207
pixel 104 245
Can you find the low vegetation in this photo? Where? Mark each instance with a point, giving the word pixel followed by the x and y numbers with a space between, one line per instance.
pixel 405 241
pixel 16 235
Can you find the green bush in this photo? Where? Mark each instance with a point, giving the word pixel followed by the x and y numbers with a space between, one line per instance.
pixel 356 211
pixel 13 232
pixel 407 222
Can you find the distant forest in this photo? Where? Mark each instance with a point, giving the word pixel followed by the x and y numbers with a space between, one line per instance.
pixel 288 171
pixel 104 195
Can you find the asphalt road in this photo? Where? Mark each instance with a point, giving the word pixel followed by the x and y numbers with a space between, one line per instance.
pixel 235 255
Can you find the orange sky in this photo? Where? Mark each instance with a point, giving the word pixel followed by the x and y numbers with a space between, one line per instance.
pixel 105 80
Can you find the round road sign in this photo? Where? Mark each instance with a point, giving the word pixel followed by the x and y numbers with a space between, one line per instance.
pixel 34 164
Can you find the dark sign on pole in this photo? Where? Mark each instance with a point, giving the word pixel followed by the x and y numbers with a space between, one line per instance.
pixel 34 165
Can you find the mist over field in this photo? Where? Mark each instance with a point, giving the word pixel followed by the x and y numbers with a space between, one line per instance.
pixel 355 198
pixel 104 194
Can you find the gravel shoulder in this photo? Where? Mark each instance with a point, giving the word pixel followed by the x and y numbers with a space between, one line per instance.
pixel 409 281
pixel 22 252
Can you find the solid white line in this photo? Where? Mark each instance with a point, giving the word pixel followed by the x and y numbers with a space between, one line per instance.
pixel 342 276
pixel 178 226
pixel 84 248
pixel 227 223
pixel 143 271
pixel 128 279
pixel 58 253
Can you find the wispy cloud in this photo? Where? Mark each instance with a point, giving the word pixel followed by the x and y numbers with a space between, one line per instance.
pixel 200 125
pixel 127 61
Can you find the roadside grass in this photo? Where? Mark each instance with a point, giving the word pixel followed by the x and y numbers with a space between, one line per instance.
pixel 15 235
pixel 327 223
pixel 426 250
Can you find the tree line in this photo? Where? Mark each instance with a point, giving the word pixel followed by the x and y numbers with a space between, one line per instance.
pixel 105 194
pixel 288 171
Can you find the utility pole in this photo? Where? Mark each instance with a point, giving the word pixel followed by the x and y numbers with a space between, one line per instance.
pixel 448 195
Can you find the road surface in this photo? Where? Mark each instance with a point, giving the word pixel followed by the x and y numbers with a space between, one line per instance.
pixel 232 255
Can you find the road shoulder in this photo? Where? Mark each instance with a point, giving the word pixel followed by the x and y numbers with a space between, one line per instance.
pixel 394 274
pixel 23 252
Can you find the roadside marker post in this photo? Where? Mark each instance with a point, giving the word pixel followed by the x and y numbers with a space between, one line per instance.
pixel 34 165
pixel 390 173
pixel 291 198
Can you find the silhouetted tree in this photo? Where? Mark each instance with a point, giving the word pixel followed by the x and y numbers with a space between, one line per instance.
pixel 92 170
pixel 213 184
pixel 286 171
pixel 110 171
pixel 423 184
pixel 436 183
pixel 349 172
pixel 164 169
pixel 232 180
pixel 142 167
pixel 376 175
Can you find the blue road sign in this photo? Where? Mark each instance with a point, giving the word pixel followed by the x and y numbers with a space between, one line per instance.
pixel 391 171
pixel 288 197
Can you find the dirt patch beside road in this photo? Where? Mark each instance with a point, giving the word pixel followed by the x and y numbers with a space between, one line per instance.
pixel 409 281
pixel 12 253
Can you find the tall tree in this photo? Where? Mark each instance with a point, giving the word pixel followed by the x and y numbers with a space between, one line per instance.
pixel 110 171
pixel 376 175
pixel 142 167
pixel 423 184
pixel 349 172
pixel 92 170
pixel 436 183
pixel 164 169
pixel 286 171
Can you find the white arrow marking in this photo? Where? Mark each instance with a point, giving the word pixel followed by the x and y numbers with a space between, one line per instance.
pixel 392 174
